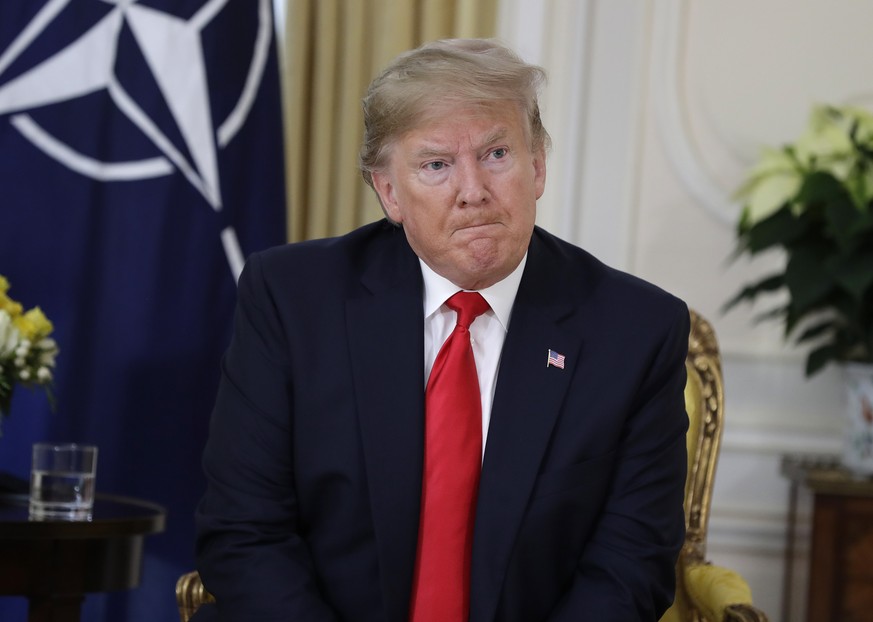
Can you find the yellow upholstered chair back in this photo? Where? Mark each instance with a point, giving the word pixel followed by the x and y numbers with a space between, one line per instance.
pixel 705 593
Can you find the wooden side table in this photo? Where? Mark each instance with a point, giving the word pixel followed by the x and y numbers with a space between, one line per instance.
pixel 840 568
pixel 55 563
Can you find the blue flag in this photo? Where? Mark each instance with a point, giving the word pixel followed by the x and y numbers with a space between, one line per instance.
pixel 140 161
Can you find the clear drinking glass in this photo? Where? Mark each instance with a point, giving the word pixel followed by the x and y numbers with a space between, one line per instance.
pixel 62 481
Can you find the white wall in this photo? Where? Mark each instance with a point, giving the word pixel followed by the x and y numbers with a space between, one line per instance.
pixel 656 110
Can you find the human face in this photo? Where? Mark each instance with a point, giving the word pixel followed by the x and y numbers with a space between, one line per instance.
pixel 464 185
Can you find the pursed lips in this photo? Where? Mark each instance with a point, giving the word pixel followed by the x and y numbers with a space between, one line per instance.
pixel 475 227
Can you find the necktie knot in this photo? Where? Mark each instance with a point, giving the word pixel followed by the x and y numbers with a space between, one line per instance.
pixel 468 306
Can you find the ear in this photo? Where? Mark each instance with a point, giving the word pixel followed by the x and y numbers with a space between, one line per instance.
pixel 384 188
pixel 539 164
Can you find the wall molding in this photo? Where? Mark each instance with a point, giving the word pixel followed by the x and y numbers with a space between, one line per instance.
pixel 668 47
pixel 743 437
pixel 573 104
pixel 607 194
pixel 758 532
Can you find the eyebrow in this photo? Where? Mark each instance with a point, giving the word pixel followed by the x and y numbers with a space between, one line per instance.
pixel 436 152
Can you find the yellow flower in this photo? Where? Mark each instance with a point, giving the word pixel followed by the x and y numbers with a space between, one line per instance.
pixel 11 307
pixel 6 303
pixel 33 325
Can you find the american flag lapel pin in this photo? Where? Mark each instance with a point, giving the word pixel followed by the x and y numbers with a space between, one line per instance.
pixel 555 360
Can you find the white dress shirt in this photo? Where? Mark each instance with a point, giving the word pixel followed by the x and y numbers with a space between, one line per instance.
pixel 487 332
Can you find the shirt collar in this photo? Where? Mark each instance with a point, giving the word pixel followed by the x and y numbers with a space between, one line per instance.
pixel 500 296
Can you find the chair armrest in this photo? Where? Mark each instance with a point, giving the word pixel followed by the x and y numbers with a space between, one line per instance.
pixel 743 613
pixel 721 594
pixel 190 594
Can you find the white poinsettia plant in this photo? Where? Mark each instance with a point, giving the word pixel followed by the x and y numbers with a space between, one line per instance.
pixel 814 200
pixel 27 352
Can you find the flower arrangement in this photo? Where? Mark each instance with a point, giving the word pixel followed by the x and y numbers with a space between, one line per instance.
pixel 814 200
pixel 27 352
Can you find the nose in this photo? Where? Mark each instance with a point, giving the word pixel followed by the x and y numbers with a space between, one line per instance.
pixel 472 186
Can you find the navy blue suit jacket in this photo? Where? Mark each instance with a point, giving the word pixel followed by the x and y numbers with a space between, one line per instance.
pixel 314 457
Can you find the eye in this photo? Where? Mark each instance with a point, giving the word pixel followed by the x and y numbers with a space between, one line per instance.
pixel 434 166
pixel 499 153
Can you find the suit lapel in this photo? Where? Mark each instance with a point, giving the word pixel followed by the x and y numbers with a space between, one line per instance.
pixel 526 404
pixel 385 330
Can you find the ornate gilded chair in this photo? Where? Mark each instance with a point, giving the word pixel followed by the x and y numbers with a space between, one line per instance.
pixel 190 594
pixel 705 593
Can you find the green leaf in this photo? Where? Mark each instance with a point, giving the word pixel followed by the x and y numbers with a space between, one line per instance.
pixel 777 230
pixel 771 314
pixel 859 183
pixel 767 284
pixel 855 134
pixel 794 318
pixel 816 331
pixel 820 187
pixel 808 278
pixel 855 274
pixel 843 218
pixel 818 358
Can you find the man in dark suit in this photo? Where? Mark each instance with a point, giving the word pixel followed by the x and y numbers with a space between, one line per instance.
pixel 320 448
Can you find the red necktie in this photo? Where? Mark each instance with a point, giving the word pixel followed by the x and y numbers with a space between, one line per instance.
pixel 452 461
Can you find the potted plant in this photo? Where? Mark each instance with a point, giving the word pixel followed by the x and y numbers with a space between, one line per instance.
pixel 814 200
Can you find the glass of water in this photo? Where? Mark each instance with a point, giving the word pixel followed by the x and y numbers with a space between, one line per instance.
pixel 62 481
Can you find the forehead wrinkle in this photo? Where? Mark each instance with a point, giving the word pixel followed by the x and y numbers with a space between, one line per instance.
pixel 497 135
pixel 429 151
pixel 435 150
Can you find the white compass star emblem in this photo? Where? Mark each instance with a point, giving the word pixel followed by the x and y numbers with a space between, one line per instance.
pixel 173 51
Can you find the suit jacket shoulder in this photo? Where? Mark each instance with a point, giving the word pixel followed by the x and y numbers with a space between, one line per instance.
pixel 377 253
pixel 559 268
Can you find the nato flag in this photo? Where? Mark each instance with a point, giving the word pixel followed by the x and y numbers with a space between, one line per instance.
pixel 140 162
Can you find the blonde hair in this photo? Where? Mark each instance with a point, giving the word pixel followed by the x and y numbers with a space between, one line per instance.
pixel 442 73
